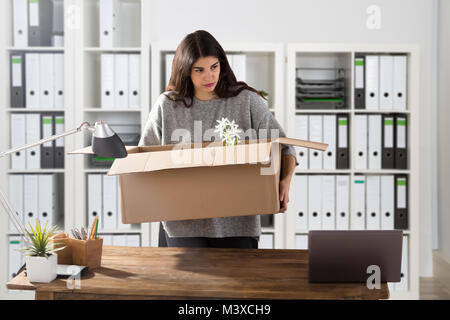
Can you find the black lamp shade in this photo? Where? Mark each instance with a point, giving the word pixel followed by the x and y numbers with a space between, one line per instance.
pixel 109 147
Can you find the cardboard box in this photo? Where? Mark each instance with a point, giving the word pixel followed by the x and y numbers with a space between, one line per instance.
pixel 196 181
pixel 87 252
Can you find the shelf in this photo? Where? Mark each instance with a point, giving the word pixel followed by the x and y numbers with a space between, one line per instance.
pixel 43 49
pixel 381 171
pixel 94 170
pixel 358 111
pixel 111 110
pixel 306 232
pixel 114 50
pixel 33 110
pixel 331 171
pixel 302 111
pixel 30 171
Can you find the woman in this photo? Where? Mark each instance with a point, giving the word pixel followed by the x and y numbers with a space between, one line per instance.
pixel 203 89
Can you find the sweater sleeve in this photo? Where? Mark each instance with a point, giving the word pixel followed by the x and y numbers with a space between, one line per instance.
pixel 152 133
pixel 267 125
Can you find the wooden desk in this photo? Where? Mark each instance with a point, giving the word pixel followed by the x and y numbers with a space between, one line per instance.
pixel 188 273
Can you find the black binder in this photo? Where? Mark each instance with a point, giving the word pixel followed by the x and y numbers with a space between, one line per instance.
pixel 48 148
pixel 387 133
pixel 360 78
pixel 401 202
pixel 342 156
pixel 17 78
pixel 58 120
pixel 401 142
pixel 40 23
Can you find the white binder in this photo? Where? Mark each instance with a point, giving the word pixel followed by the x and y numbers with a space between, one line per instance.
pixel 15 256
pixel 329 137
pixel 400 82
pixel 315 134
pixel 342 202
pixel 109 202
pixel 121 77
pixel 301 132
pixel 360 154
pixel 169 61
pixel 134 81
pixel 266 241
pixel 328 202
pixel 133 240
pixel 120 240
pixel 107 239
pixel 58 86
pixel 403 285
pixel 107 81
pixel 372 82
pixel 18 139
pixel 387 202
pixel 47 199
pixel 20 21
pixel 30 198
pixel 358 215
pixel 46 80
pixel 109 23
pixel 32 80
pixel 386 82
pixel 16 197
pixel 240 67
pixel 315 202
pixel 301 202
pixel 374 147
pixel 373 203
pixel 95 199
pixel 33 134
pixel 120 225
pixel 301 242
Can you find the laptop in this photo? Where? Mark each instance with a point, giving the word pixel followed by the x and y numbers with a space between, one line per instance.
pixel 344 256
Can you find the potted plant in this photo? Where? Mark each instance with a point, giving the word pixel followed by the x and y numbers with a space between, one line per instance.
pixel 41 258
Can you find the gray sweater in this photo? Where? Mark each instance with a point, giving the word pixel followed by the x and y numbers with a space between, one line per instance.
pixel 170 122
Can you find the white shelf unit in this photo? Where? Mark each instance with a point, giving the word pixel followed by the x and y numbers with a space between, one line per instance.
pixel 264 71
pixel 87 87
pixel 345 53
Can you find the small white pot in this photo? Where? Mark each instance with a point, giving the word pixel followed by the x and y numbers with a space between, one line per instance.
pixel 41 269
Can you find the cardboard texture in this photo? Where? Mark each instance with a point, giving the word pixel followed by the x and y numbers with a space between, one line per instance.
pixel 203 180
pixel 87 252
pixel 64 255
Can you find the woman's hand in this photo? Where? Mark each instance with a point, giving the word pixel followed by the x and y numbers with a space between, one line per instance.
pixel 284 194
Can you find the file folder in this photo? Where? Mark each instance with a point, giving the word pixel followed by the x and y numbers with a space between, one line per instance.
pixel 266 241
pixel 169 62
pixel 33 134
pixel 46 80
pixel 403 285
pixel 359 83
pixel 133 240
pixel 58 24
pixel 387 202
pixel 17 80
pixel 32 80
pixel 109 23
pixel 107 239
pixel 47 149
pixel 358 216
pixel 314 202
pixel 386 82
pixel 20 21
pixel 134 81
pixel 30 197
pixel 240 67
pixel 58 86
pixel 40 23
pixel 301 202
pixel 373 203
pixel 374 129
pixel 95 199
pixel 16 197
pixel 18 139
pixel 109 202
pixel 328 202
pixel 401 138
pixel 387 161
pixel 47 199
pixel 59 143
pixel 120 224
pixel 315 134
pixel 361 141
pixel 329 137
pixel 120 240
pixel 301 132
pixel 342 142
pixel 401 202
pixel 121 78
pixel 301 242
pixel 107 81
pixel 400 82
pixel 372 82
pixel 342 202
pixel 15 256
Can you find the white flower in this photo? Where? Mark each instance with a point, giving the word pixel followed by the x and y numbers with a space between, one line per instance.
pixel 228 131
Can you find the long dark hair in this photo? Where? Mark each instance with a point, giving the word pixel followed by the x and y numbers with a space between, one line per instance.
pixel 194 46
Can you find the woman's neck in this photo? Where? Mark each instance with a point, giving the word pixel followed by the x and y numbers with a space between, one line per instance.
pixel 205 96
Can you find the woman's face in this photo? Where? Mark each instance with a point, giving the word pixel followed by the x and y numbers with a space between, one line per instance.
pixel 205 75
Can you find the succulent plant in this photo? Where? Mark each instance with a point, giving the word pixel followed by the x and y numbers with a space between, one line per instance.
pixel 38 240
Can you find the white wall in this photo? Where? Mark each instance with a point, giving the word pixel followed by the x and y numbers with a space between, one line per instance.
pixel 402 21
pixel 444 128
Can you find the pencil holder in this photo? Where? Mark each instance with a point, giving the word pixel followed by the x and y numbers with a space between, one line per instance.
pixel 64 255
pixel 87 252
